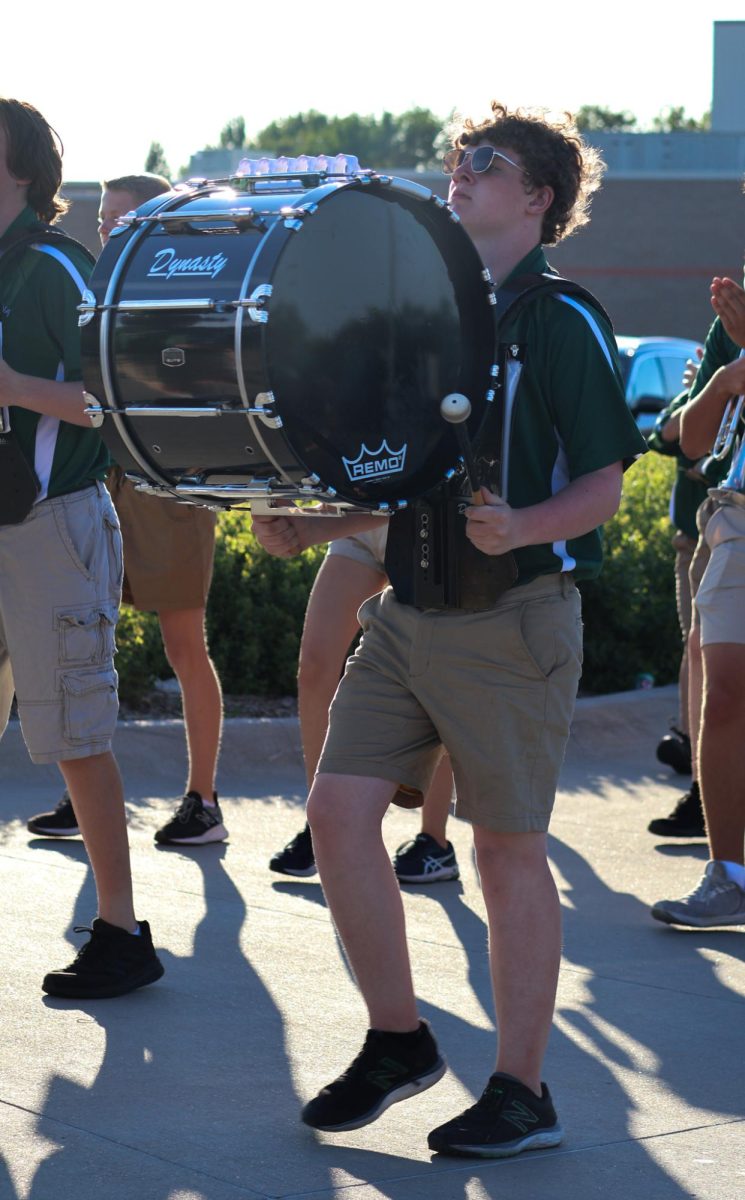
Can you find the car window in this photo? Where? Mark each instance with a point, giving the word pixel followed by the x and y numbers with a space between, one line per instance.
pixel 673 366
pixel 646 379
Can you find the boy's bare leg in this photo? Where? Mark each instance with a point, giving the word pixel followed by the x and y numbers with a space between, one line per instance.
pixel 95 786
pixel 524 917
pixel 720 749
pixel 437 802
pixel 186 648
pixel 695 694
pixel 345 814
pixel 341 586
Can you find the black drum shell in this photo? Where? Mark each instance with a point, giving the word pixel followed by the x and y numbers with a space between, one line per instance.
pixel 375 308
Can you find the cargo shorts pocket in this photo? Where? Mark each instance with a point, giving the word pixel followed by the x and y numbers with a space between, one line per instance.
pixel 87 635
pixel 90 704
pixel 551 636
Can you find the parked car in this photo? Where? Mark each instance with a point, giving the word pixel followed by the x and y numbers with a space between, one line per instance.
pixel 652 372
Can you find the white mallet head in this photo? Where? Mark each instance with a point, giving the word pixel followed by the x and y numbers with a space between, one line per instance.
pixel 455 408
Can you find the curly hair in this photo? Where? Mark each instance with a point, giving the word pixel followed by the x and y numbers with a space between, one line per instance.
pixel 553 153
pixel 34 152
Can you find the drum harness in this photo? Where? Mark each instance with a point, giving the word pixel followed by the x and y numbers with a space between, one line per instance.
pixel 19 486
pixel 430 562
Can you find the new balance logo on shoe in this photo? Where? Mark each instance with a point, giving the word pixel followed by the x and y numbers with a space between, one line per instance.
pixel 386 1073
pixel 520 1116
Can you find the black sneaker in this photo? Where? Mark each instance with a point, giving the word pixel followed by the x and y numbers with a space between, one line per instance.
pixel 297 857
pixel 193 824
pixel 507 1119
pixel 60 823
pixel 674 750
pixel 423 860
pixel 686 820
pixel 388 1068
pixel 111 963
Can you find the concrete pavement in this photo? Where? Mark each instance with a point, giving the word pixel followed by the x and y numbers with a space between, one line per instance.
pixel 190 1089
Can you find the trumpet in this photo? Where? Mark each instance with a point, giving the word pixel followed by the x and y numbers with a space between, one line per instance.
pixel 728 428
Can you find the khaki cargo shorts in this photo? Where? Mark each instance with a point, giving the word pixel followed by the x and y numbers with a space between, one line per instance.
pixel 60 579
pixel 169 548
pixel 495 688
pixel 720 599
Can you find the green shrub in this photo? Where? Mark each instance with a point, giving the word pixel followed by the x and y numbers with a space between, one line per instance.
pixel 257 604
pixel 140 659
pixel 256 609
pixel 631 625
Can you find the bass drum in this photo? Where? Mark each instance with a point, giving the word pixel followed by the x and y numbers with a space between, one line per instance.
pixel 288 337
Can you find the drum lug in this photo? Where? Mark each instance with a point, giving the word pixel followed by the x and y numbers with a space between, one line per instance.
pixel 255 303
pixel 87 308
pixel 264 402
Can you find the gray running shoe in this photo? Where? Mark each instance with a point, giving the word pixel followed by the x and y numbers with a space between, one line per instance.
pixel 716 900
pixel 194 823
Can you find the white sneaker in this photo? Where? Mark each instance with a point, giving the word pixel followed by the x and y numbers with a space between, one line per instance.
pixel 716 900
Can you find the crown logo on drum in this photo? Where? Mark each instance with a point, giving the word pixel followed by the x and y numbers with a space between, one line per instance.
pixel 375 464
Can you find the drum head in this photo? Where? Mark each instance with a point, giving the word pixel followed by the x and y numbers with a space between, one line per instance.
pixel 378 311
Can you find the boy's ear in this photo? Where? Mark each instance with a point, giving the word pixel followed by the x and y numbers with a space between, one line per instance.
pixel 540 200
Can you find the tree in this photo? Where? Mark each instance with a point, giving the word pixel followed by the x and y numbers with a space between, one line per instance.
pixel 594 118
pixel 156 161
pixel 673 119
pixel 406 140
pixel 414 138
pixel 233 135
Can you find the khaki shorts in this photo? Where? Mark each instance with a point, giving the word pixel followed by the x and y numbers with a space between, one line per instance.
pixel 495 688
pixel 169 548
pixel 721 595
pixel 60 578
pixel 366 548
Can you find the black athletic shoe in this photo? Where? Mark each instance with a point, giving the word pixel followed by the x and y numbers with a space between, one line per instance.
pixel 388 1068
pixel 686 820
pixel 111 963
pixel 297 857
pixel 193 824
pixel 507 1119
pixel 60 823
pixel 423 860
pixel 674 750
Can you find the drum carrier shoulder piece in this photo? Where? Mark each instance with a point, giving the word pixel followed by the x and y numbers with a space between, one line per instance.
pixel 19 486
pixel 429 560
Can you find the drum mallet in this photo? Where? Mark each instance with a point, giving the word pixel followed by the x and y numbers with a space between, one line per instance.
pixel 456 409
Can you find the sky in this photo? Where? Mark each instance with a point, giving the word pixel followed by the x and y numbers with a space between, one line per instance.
pixel 112 79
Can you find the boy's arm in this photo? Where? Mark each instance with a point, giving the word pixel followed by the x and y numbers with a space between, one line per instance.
pixel 46 396
pixel 582 505
pixel 702 416
pixel 289 534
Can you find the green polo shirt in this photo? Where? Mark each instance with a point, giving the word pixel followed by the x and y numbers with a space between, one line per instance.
pixel 40 337
pixel 688 490
pixel 565 415
pixel 688 493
